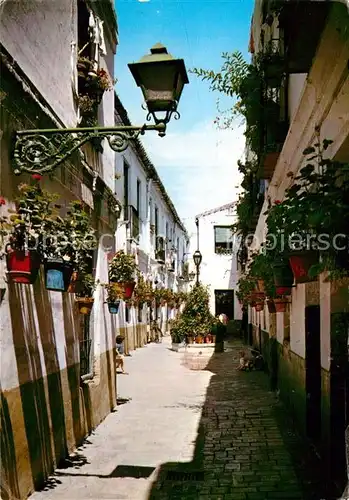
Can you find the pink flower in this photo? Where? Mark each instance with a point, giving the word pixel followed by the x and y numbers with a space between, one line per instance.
pixel 277 202
pixel 37 177
pixel 2 201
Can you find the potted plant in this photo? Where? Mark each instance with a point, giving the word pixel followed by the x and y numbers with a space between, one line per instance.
pixel 122 270
pixel 27 228
pixel 77 241
pixel 114 296
pixel 84 296
pixel 315 205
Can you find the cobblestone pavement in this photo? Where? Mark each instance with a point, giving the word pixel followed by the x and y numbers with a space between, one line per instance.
pixel 212 434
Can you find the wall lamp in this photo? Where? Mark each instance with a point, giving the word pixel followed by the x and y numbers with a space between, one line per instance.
pixel 161 78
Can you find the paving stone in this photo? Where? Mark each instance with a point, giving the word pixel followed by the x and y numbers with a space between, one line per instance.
pixel 241 444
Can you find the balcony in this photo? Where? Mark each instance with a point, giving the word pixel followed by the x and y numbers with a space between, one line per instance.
pixel 295 19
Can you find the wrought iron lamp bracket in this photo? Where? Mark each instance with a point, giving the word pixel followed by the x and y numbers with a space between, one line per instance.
pixel 41 151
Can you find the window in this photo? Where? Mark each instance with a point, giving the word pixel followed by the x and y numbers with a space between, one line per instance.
pixel 127 313
pixel 223 239
pixel 139 197
pixel 167 235
pixel 156 222
pixel 126 189
pixel 140 314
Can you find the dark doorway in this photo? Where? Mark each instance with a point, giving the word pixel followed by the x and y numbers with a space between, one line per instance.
pixel 313 372
pixel 224 302
pixel 339 396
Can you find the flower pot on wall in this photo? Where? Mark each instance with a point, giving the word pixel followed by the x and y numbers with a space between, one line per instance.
pixel 127 287
pixel 280 304
pixel 300 263
pixel 114 307
pixel 283 277
pixel 23 266
pixel 57 274
pixel 85 304
pixel 259 306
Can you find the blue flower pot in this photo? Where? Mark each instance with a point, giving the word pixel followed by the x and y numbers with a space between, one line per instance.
pixel 57 274
pixel 114 307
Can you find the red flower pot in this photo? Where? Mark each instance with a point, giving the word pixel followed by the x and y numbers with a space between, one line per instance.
pixel 128 289
pixel 259 306
pixel 23 266
pixel 280 305
pixel 283 290
pixel 301 263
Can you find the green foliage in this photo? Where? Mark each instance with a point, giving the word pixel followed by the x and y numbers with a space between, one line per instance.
pixel 123 268
pixel 314 211
pixel 114 292
pixel 86 286
pixel 32 221
pixel 196 318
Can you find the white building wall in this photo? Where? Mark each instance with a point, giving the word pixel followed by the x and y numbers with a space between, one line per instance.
pixel 39 36
pixel 219 271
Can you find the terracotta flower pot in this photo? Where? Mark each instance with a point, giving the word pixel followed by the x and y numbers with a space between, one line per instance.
pixel 199 339
pixel 300 263
pixel 190 339
pixel 257 296
pixel 23 266
pixel 259 306
pixel 280 304
pixel 85 304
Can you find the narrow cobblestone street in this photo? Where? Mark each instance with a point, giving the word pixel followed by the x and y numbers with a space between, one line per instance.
pixel 187 434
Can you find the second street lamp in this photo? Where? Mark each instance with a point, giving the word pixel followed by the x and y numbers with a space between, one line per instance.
pixel 197 258
pixel 161 78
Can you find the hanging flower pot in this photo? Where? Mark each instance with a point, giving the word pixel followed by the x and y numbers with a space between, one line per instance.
pixel 257 296
pixel 300 263
pixel 280 304
pixel 283 276
pixel 58 274
pixel 283 290
pixel 271 306
pixel 23 266
pixel 114 307
pixel 85 304
pixel 259 306
pixel 128 289
pixel 73 282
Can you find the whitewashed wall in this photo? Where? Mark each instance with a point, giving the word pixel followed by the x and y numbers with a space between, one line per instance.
pixel 216 270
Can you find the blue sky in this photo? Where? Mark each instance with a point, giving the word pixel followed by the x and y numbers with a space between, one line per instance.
pixel 196 162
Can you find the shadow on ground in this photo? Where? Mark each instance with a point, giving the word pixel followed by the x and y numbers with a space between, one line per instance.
pixel 246 447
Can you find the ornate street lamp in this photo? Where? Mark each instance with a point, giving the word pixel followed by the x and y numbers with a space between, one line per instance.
pixel 161 78
pixel 197 258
